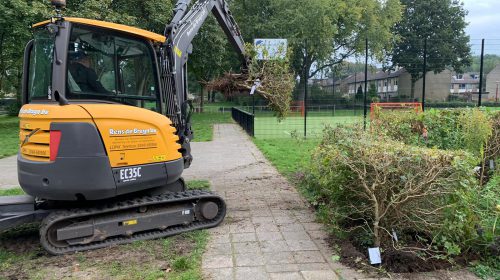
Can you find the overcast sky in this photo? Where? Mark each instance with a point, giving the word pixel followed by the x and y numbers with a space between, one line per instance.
pixel 484 22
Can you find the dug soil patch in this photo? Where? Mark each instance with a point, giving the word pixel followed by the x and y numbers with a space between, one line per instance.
pixel 22 257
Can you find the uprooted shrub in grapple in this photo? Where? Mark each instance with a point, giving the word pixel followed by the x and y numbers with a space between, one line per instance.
pixel 276 82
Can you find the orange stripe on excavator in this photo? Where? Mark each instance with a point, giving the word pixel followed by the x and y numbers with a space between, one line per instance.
pixel 119 27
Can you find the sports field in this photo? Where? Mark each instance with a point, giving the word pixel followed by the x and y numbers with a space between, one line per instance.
pixel 268 126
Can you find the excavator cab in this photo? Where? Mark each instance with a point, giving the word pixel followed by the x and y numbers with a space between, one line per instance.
pixel 83 60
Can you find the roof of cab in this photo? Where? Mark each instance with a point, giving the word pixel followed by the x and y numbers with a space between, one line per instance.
pixel 120 27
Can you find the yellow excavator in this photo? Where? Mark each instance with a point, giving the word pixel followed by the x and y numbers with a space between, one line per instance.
pixel 105 131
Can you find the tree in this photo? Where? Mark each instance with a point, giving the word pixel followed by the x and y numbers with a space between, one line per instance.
pixel 17 16
pixel 442 23
pixel 323 33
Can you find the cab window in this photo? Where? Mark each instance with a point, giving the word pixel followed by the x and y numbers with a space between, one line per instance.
pixel 106 66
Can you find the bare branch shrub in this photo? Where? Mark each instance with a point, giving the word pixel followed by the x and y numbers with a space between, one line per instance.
pixel 377 185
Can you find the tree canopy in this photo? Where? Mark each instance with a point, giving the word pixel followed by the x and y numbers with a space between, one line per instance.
pixel 442 23
pixel 330 30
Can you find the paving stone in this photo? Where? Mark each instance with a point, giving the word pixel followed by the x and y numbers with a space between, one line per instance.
pixel 239 214
pixel 312 226
pixel 253 273
pixel 261 213
pixel 291 227
pixel 241 227
pixel 220 238
pixel 269 236
pixel 218 274
pixel 279 258
pixel 243 237
pixel 246 247
pixel 306 218
pixel 295 235
pixel 280 220
pixel 274 246
pixel 219 249
pixel 285 276
pixel 262 220
pixel 249 259
pixel 270 227
pixel 301 245
pixel 313 266
pixel 319 275
pixel 308 257
pixel 217 261
pixel 282 267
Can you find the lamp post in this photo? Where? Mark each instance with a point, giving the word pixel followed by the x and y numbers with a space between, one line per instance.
pixel 496 96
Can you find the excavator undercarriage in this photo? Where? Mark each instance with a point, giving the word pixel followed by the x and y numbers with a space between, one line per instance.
pixel 117 221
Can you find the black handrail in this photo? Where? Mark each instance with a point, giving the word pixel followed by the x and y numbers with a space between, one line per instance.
pixel 244 119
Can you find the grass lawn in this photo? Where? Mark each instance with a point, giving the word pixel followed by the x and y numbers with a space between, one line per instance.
pixel 203 124
pixel 9 136
pixel 177 257
pixel 287 155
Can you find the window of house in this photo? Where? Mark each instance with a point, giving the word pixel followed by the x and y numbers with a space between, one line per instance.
pixel 460 76
pixel 462 86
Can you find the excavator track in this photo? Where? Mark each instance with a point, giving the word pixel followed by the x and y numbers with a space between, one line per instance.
pixel 195 203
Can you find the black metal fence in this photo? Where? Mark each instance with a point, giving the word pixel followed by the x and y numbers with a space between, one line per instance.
pixel 244 119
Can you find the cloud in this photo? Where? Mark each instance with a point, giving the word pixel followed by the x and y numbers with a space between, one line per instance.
pixel 483 18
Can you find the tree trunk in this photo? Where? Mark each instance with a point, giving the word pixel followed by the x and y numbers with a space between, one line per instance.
pixel 2 63
pixel 202 98
pixel 412 93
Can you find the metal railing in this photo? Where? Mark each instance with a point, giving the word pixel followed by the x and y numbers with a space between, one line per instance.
pixel 244 119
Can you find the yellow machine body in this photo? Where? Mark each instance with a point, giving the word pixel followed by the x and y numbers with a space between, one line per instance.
pixel 131 135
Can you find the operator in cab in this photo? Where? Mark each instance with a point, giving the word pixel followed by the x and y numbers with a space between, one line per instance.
pixel 83 74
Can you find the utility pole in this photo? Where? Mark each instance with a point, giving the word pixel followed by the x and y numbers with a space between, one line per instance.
pixel 306 76
pixel 496 96
pixel 425 76
pixel 481 75
pixel 365 112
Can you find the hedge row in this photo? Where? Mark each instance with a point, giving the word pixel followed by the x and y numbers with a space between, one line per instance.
pixel 415 177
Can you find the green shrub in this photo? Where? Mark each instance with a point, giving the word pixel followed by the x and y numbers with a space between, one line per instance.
pixel 369 185
pixel 13 109
pixel 453 129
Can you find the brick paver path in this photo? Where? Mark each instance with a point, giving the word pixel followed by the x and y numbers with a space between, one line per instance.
pixel 269 231
pixel 8 172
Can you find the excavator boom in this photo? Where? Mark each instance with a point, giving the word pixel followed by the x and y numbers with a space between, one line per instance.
pixel 180 34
